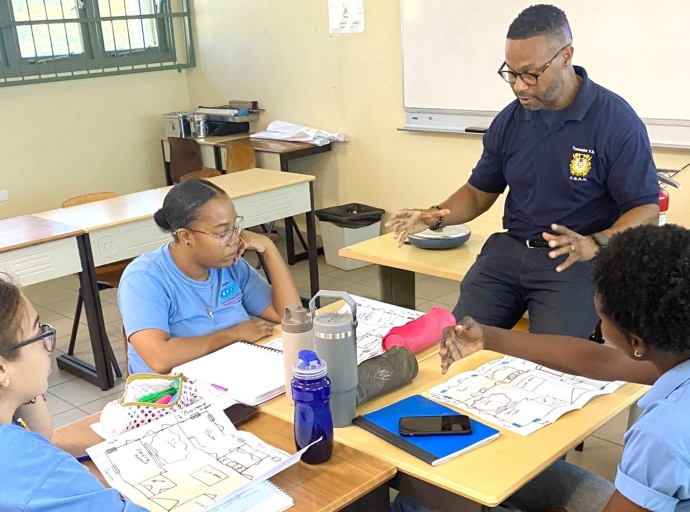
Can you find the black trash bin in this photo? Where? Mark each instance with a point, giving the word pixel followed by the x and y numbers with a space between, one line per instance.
pixel 346 225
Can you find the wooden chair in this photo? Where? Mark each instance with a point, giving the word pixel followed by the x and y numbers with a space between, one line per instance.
pixel 185 160
pixel 107 276
pixel 240 157
pixel 200 174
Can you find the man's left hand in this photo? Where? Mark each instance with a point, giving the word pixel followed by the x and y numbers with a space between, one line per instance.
pixel 576 246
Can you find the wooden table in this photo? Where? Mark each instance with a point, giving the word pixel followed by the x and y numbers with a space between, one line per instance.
pixel 122 227
pixel 270 154
pixel 486 476
pixel 33 250
pixel 351 480
pixel 397 266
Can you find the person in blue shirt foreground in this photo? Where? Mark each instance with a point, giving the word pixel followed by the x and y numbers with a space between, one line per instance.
pixel 196 294
pixel 35 475
pixel 578 166
pixel 642 295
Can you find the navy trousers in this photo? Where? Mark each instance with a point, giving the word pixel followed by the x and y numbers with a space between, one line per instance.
pixel 510 278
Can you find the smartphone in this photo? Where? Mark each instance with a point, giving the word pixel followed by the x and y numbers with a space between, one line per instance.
pixel 435 425
pixel 239 414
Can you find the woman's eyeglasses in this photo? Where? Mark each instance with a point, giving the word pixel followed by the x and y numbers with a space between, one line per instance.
pixel 224 238
pixel 48 336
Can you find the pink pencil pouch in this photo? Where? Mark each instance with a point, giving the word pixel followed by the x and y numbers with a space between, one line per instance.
pixel 420 333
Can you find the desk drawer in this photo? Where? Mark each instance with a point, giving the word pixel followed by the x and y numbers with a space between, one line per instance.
pixel 126 241
pixel 274 204
pixel 43 262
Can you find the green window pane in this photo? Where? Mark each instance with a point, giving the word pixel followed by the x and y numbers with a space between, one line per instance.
pixel 43 40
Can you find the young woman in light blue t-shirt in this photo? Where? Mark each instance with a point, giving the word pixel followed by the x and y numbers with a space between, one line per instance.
pixel 197 294
pixel 36 476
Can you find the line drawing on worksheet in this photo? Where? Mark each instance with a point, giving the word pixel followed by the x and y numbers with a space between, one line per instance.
pixel 186 461
pixel 374 320
pixel 519 395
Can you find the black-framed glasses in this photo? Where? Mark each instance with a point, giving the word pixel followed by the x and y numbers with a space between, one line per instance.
pixel 226 237
pixel 527 78
pixel 48 336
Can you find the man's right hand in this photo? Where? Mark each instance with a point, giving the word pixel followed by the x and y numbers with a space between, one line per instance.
pixel 460 341
pixel 251 330
pixel 411 221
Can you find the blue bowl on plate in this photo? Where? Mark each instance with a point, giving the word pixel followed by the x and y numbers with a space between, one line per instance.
pixel 448 237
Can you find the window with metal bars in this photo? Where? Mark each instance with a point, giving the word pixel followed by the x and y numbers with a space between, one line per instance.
pixel 49 40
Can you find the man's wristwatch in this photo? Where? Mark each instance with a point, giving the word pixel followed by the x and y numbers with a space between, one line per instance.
pixel 439 222
pixel 600 239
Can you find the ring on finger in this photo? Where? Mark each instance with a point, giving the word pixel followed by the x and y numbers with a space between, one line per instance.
pixel 572 248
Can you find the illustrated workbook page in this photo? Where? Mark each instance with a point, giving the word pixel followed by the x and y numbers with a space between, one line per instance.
pixel 374 320
pixel 519 395
pixel 186 461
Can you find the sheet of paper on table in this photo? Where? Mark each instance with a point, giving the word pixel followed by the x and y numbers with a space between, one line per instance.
pixel 519 395
pixel 187 460
pixel 374 320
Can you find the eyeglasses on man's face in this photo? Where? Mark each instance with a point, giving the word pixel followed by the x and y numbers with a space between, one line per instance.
pixel 47 336
pixel 226 237
pixel 526 77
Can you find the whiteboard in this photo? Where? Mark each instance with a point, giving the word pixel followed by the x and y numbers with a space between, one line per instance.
pixel 638 49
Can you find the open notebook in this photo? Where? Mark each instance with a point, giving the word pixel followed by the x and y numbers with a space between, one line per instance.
pixel 252 374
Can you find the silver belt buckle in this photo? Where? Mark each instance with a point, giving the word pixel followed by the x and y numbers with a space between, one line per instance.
pixel 528 243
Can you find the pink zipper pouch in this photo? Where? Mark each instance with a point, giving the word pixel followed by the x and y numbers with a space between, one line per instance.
pixel 420 333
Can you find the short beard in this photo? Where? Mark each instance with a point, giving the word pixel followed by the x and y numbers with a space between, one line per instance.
pixel 549 95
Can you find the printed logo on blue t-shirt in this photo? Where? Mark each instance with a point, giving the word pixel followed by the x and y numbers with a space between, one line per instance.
pixel 230 293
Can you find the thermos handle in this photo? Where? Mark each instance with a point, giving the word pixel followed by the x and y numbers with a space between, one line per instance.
pixel 334 295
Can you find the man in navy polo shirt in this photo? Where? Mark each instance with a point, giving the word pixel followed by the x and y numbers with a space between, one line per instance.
pixel 578 165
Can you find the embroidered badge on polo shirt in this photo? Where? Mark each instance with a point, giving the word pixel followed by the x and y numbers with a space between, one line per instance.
pixel 581 164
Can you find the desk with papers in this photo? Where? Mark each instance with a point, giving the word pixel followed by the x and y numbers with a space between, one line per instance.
pixel 351 480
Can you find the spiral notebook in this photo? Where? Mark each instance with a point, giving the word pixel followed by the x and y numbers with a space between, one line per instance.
pixel 251 374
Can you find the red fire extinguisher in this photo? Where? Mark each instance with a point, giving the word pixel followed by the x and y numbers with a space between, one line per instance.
pixel 663 195
pixel 663 206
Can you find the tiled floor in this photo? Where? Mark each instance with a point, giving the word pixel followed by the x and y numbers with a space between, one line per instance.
pixel 70 398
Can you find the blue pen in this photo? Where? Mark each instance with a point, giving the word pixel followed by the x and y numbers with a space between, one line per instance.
pixel 83 458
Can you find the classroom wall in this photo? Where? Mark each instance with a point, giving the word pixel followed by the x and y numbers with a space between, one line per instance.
pixel 281 54
pixel 69 138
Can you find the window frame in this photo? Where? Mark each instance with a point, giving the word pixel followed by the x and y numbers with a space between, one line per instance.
pixel 95 60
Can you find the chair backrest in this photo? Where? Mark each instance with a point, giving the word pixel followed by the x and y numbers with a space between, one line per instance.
pixel 88 198
pixel 185 157
pixel 240 157
pixel 124 340
pixel 201 174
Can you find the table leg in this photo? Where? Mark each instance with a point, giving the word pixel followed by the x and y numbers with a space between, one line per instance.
pixel 218 158
pixel 429 493
pixel 376 500
pixel 397 286
pixel 101 375
pixel 166 165
pixel 311 246
pixel 290 225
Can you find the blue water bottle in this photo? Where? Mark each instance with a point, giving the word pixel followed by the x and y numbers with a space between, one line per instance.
pixel 311 389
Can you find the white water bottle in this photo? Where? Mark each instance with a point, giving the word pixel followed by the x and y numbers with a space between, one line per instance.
pixel 297 335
